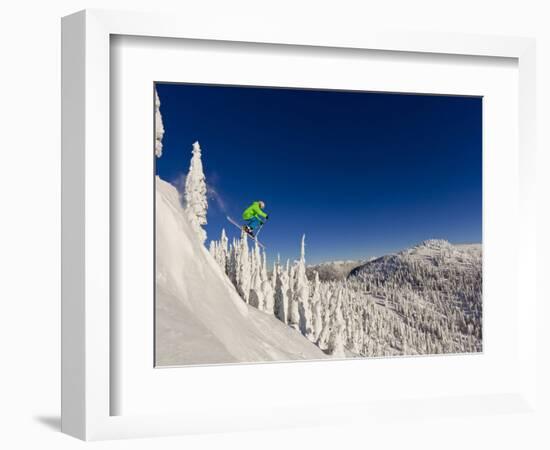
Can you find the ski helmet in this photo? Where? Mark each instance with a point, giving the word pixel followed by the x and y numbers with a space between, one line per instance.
pixel 262 204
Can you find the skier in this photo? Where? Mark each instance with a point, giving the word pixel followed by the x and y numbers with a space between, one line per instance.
pixel 255 216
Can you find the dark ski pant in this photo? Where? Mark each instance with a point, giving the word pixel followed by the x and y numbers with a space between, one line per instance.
pixel 254 222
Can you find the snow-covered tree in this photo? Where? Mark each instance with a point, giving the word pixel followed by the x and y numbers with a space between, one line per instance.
pixel 336 341
pixel 244 275
pixel 213 249
pixel 293 302
pixel 267 288
pixel 224 249
pixel 196 203
pixel 317 309
pixel 159 127
pixel 232 262
pixel 281 293
pixel 256 298
pixel 269 297
pixel 301 294
pixel 220 251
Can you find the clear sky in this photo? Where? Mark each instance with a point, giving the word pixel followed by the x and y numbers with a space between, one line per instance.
pixel 361 174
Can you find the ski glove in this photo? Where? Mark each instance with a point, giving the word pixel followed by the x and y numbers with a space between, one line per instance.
pixel 266 216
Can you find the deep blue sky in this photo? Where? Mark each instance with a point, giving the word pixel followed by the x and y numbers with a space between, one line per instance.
pixel 361 174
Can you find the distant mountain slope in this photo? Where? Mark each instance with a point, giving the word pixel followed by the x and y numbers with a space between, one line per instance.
pixel 435 286
pixel 332 270
pixel 433 253
pixel 200 317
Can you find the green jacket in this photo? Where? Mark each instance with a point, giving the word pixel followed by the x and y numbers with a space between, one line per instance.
pixel 254 210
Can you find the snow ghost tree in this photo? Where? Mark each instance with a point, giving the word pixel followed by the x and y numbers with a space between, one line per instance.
pixel 267 288
pixel 196 203
pixel 159 127
pixel 232 262
pixel 301 294
pixel 293 305
pixel 224 250
pixel 256 297
pixel 336 341
pixel 317 313
pixel 268 294
pixel 281 292
pixel 220 251
pixel 243 269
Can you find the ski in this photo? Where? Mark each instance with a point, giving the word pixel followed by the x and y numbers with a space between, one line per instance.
pixel 241 228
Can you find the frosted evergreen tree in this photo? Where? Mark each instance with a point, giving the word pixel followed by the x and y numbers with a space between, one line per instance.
pixel 222 251
pixel 256 292
pixel 264 267
pixel 196 203
pixel 281 293
pixel 243 268
pixel 336 341
pixel 213 249
pixel 328 318
pixel 276 272
pixel 256 298
pixel 293 303
pixel 269 297
pixel 301 294
pixel 159 127
pixel 317 312
pixel 291 269
pixel 267 288
pixel 232 263
pixel 257 260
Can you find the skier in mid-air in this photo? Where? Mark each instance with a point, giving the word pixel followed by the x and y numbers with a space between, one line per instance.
pixel 254 216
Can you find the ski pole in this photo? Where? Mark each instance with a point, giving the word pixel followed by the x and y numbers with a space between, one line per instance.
pixel 263 223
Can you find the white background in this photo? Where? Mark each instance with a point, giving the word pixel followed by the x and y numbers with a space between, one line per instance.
pixel 29 327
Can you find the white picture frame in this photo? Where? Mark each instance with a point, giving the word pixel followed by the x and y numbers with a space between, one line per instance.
pixel 87 353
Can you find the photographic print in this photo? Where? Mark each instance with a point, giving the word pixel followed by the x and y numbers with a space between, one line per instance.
pixel 305 224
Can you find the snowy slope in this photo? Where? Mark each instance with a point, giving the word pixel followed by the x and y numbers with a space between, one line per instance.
pixel 200 318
